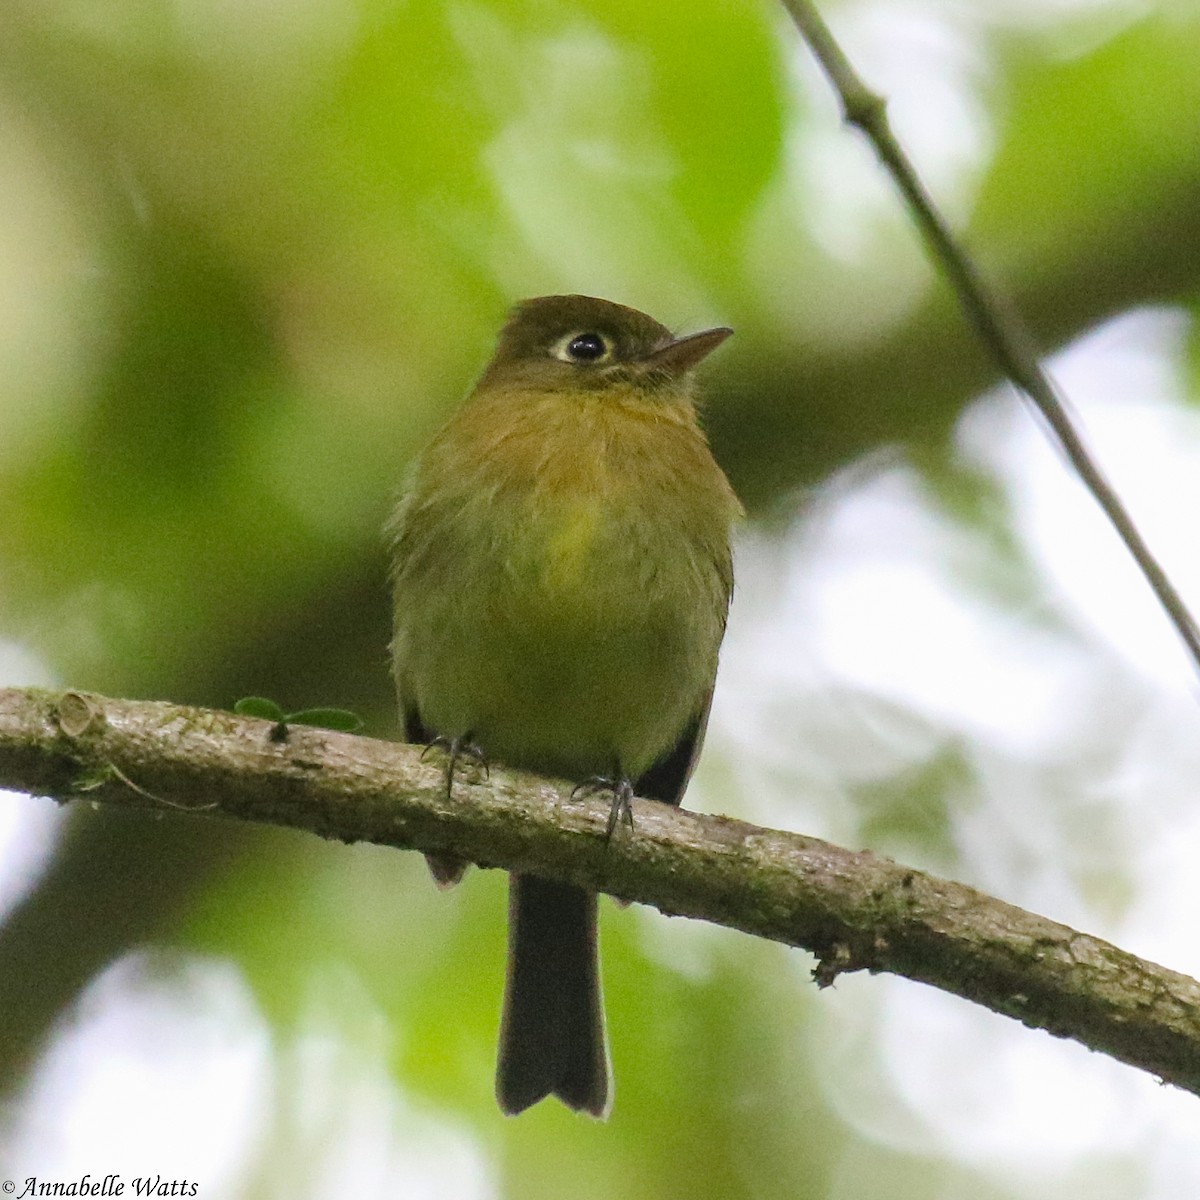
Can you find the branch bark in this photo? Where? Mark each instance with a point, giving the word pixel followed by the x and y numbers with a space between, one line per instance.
pixel 854 910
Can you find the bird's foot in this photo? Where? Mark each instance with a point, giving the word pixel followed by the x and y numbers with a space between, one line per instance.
pixel 457 749
pixel 447 869
pixel 622 801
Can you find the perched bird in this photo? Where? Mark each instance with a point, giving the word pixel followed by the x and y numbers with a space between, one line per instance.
pixel 562 571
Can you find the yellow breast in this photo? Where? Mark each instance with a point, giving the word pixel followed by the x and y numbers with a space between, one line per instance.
pixel 570 545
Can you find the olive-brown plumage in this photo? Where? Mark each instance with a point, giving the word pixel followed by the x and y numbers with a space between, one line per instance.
pixel 562 574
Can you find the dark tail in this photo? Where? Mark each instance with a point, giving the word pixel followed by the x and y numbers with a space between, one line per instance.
pixel 552 1032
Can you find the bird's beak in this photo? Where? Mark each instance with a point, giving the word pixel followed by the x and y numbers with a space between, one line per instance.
pixel 682 354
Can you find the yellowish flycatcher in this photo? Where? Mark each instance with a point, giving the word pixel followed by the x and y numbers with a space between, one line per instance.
pixel 562 575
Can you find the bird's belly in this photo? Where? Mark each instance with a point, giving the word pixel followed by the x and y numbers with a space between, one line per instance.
pixel 570 666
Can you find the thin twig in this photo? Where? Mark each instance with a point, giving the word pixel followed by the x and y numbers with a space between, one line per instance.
pixel 999 326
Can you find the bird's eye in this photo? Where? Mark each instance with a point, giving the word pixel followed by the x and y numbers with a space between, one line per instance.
pixel 584 347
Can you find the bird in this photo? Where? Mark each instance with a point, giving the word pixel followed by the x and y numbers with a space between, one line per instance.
pixel 562 572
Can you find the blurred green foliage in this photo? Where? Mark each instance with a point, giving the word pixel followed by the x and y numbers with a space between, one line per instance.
pixel 250 256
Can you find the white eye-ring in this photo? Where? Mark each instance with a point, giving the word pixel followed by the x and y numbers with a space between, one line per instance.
pixel 585 347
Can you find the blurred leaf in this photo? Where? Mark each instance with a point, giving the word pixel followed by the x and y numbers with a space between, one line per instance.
pixel 1085 145
pixel 259 706
pixel 327 718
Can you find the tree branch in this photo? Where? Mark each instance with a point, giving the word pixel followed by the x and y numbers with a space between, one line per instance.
pixel 852 909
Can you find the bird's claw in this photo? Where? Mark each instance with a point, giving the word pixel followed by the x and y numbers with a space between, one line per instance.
pixel 622 801
pixel 456 749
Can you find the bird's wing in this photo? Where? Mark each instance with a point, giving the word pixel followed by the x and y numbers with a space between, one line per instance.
pixel 668 778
